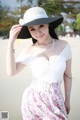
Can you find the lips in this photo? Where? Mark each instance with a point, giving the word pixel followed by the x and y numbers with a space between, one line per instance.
pixel 40 36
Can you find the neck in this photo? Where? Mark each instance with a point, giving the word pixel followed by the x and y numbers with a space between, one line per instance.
pixel 46 42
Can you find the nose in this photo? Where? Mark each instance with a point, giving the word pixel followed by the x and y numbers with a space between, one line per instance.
pixel 38 32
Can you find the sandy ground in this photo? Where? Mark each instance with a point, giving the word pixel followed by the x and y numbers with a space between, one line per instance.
pixel 15 85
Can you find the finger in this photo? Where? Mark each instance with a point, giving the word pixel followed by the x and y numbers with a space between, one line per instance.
pixel 16 29
pixel 16 26
pixel 67 111
pixel 16 32
pixel 13 28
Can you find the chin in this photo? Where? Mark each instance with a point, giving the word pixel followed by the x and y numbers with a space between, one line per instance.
pixel 41 39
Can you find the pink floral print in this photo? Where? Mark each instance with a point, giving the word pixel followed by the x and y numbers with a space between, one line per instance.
pixel 47 104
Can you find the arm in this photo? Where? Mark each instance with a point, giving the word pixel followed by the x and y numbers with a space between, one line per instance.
pixel 67 85
pixel 13 67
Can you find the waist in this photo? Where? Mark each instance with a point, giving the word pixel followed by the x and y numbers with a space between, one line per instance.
pixel 45 86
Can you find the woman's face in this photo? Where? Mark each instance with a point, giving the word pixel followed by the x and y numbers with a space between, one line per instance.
pixel 39 32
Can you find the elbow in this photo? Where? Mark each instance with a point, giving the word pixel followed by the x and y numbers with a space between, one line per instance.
pixel 10 73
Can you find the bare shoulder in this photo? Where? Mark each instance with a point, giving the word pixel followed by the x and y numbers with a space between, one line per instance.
pixel 61 43
pixel 27 49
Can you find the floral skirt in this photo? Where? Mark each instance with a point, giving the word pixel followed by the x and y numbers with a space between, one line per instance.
pixel 43 102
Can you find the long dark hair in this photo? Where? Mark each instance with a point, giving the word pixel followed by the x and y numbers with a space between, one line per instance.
pixel 24 34
pixel 51 32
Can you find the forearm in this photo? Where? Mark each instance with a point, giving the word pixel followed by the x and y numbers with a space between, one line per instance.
pixel 10 60
pixel 67 86
pixel 12 67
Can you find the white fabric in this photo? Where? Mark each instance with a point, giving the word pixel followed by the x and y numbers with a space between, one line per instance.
pixel 44 70
pixel 33 14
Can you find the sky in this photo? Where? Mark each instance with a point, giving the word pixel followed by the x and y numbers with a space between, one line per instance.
pixel 10 3
pixel 13 3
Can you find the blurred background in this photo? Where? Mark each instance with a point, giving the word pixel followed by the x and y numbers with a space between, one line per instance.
pixel 11 88
pixel 11 11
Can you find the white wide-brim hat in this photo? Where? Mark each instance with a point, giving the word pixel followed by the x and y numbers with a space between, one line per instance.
pixel 37 16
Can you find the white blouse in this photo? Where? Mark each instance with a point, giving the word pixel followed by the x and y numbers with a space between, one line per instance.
pixel 44 70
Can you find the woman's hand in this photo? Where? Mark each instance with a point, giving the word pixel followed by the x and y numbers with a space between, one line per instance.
pixel 15 30
pixel 67 106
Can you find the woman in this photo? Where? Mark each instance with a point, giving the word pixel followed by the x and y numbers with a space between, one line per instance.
pixel 50 62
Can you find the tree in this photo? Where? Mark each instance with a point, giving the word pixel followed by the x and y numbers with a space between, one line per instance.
pixel 49 5
pixel 52 6
pixel 8 17
pixel 57 6
pixel 19 12
pixel 72 7
pixel 77 23
pixel 1 8
pixel 20 2
pixel 22 7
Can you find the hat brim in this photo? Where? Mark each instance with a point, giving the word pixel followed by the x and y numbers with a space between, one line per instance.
pixel 54 22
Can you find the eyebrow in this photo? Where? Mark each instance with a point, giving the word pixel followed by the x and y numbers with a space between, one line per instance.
pixel 30 27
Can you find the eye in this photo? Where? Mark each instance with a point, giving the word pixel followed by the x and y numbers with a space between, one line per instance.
pixel 41 26
pixel 32 29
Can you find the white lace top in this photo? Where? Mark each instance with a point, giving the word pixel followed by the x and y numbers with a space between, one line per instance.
pixel 44 70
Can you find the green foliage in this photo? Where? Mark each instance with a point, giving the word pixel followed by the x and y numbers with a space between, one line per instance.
pixel 48 5
pixel 9 18
pixel 1 9
pixel 6 24
pixel 5 20
pixel 60 30
pixel 20 11
pixel 70 7
pixel 77 23
pixel 52 6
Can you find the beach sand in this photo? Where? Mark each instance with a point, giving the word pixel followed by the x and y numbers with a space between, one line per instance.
pixel 11 88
